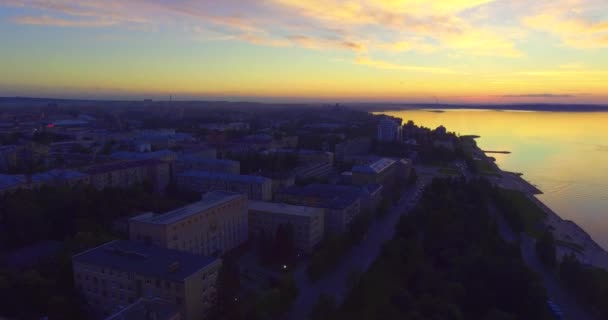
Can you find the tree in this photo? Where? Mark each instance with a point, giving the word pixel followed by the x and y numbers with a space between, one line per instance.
pixel 324 309
pixel 228 288
pixel 545 249
pixel 284 245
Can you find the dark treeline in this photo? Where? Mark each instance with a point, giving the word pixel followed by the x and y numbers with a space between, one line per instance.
pixel 79 218
pixel 590 285
pixel 446 261
pixel 56 213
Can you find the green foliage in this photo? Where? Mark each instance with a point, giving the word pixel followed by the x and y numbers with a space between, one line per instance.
pixel 522 214
pixel 589 285
pixel 334 247
pixel 270 304
pixel 278 250
pixel 10 138
pixel 81 217
pixel 324 309
pixel 447 261
pixel 228 286
pixel 56 213
pixel 545 249
pixel 47 138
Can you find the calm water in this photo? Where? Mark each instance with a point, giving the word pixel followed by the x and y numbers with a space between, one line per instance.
pixel 563 154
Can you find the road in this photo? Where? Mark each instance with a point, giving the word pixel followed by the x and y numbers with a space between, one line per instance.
pixel 359 258
pixel 566 302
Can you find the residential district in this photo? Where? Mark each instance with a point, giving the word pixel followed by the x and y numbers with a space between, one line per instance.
pixel 159 210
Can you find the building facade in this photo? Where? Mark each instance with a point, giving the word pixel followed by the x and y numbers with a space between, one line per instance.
pixel 212 226
pixel 193 162
pixel 115 275
pixel 307 222
pixel 389 129
pixel 340 209
pixel 353 147
pixel 381 171
pixel 124 174
pixel 255 187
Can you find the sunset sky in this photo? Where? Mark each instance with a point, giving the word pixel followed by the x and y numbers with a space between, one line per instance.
pixel 307 50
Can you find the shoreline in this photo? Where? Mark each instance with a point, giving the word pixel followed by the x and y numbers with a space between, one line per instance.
pixel 573 239
pixel 570 237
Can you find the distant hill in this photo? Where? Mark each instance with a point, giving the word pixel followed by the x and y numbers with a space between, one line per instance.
pixel 371 107
pixel 522 107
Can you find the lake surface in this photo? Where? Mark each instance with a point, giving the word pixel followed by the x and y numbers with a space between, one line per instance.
pixel 564 154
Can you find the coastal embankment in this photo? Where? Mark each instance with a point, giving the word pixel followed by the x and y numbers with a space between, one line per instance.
pixel 570 237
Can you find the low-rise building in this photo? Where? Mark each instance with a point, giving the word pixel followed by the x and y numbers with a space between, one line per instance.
pixel 114 275
pixel 194 162
pixel 370 195
pixel 341 208
pixel 381 171
pixel 163 155
pixel 307 222
pixel 255 187
pixel 314 170
pixel 212 226
pixel 148 309
pixel 352 147
pixel 124 174
pixel 8 157
pixel 55 177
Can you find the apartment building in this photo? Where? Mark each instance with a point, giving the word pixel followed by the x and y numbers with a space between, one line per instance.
pixel 381 171
pixel 212 226
pixel 389 129
pixel 115 275
pixel 340 208
pixel 148 309
pixel 123 174
pixel 255 187
pixel 308 222
pixel 194 162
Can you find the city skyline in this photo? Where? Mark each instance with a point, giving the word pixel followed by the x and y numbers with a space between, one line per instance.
pixel 465 51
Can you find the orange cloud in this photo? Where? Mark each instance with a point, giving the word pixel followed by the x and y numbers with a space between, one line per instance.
pixel 572 23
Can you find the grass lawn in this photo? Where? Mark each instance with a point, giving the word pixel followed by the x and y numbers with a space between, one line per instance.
pixel 531 214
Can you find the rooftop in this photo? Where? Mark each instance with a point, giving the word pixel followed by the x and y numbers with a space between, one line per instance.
pixel 121 165
pixel 224 176
pixel 143 309
pixel 375 167
pixel 330 196
pixel 131 256
pixel 69 122
pixel 57 174
pixel 283 208
pixel 209 200
pixel 125 155
pixel 199 159
pixel 11 180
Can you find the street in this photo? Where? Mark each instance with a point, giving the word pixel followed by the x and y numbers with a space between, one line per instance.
pixel 359 258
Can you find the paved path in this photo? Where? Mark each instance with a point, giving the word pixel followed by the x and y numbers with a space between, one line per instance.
pixel 569 306
pixel 567 303
pixel 359 258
